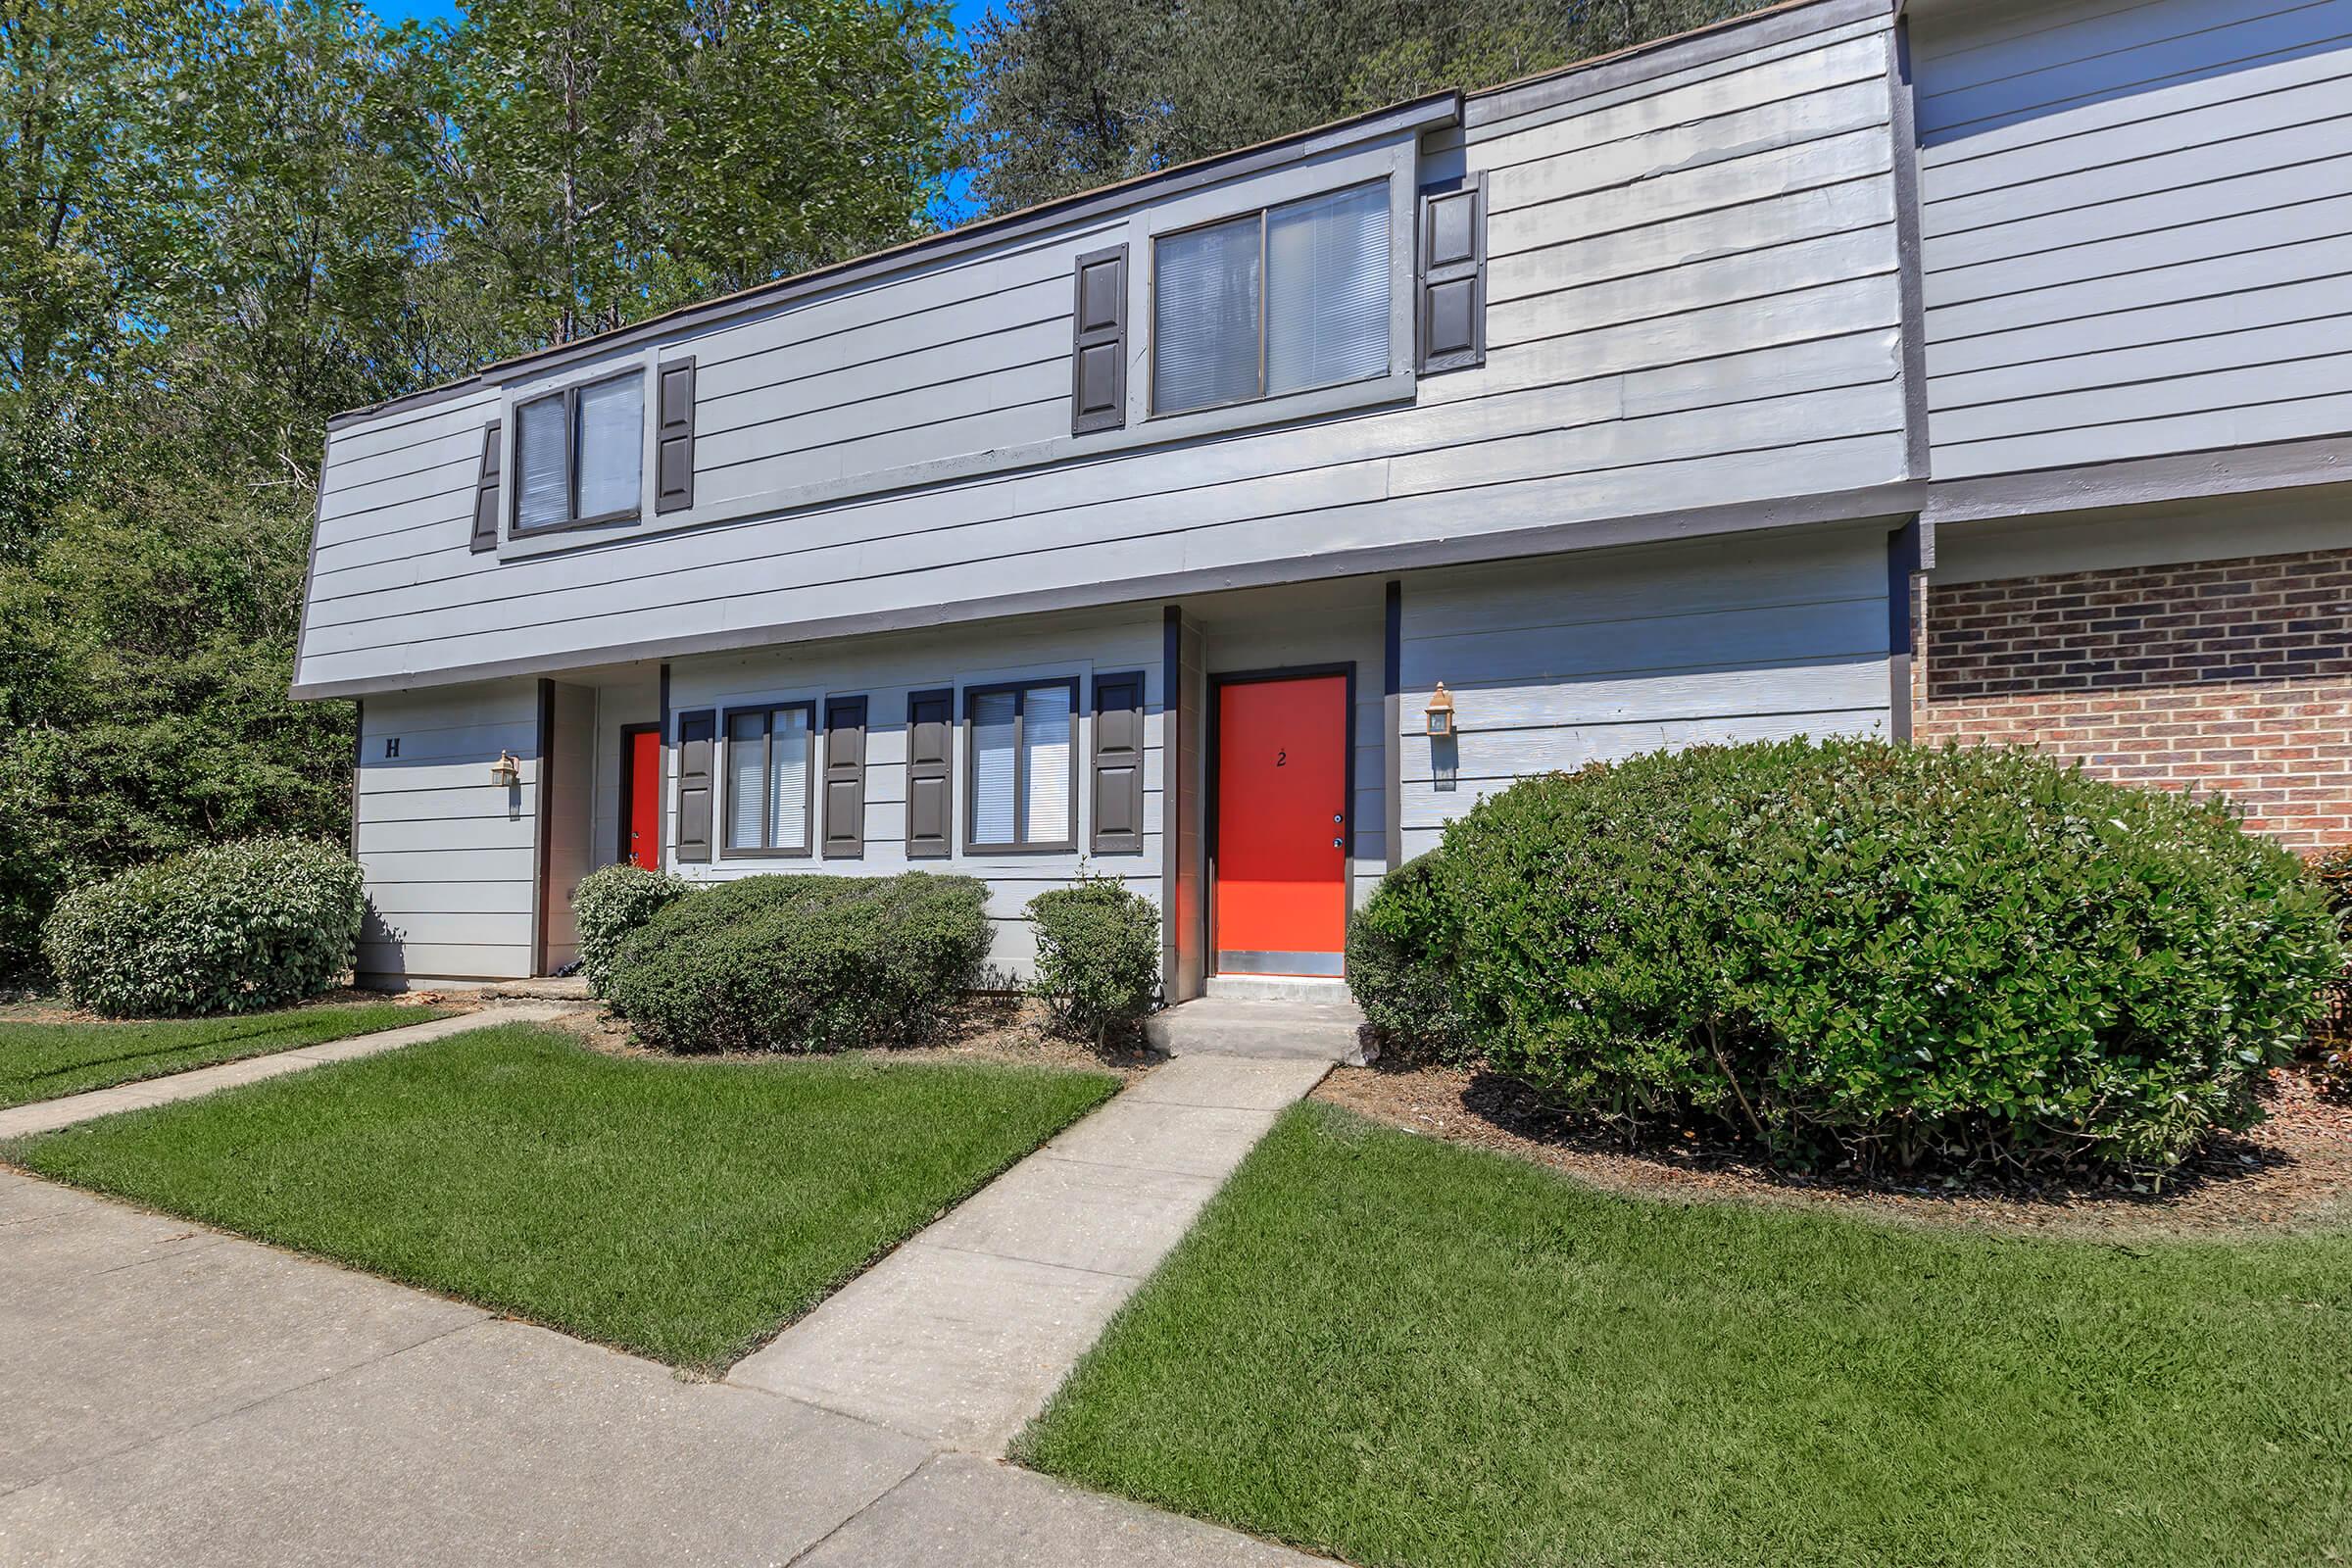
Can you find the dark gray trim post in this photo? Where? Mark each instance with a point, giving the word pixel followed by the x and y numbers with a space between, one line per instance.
pixel 1172 795
pixel 1902 565
pixel 359 753
pixel 1910 283
pixel 661 779
pixel 1391 707
pixel 539 900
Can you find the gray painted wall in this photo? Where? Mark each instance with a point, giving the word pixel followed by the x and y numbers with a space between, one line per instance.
pixel 2136 228
pixel 1694 304
pixel 449 856
pixel 1600 656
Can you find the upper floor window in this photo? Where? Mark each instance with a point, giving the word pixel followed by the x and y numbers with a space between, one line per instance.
pixel 1276 301
pixel 579 455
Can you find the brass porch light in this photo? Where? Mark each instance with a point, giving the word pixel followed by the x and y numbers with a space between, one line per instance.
pixel 507 771
pixel 1439 713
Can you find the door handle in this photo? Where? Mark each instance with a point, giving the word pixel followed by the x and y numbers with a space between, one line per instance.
pixel 1336 845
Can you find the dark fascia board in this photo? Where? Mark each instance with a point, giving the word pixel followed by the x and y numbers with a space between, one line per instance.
pixel 1893 504
pixel 1681 51
pixel 1438 108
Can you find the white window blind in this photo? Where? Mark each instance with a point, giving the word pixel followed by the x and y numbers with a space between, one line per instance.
pixel 1045 764
pixel 1204 317
pixel 543 464
pixel 747 760
pixel 992 769
pixel 1327 290
pixel 612 446
pixel 788 750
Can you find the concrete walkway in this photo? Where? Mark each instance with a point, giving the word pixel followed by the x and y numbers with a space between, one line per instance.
pixel 960 1336
pixel 47 1115
pixel 179 1396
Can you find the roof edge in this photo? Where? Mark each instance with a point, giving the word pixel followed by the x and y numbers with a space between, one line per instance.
pixel 1430 110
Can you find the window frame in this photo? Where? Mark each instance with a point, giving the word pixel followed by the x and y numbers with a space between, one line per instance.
pixel 1152 408
pixel 724 846
pixel 516 528
pixel 973 844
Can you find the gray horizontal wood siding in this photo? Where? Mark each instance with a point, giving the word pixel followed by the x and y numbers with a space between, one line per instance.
pixel 450 858
pixel 1558 663
pixel 885 670
pixel 2136 228
pixel 1695 304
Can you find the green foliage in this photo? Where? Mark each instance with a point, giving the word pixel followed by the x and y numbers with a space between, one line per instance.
pixel 1072 93
pixel 1400 963
pixel 1097 956
pixel 803 962
pixel 1888 953
pixel 234 928
pixel 612 904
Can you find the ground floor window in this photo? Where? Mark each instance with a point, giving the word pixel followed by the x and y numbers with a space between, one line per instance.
pixel 769 779
pixel 1023 782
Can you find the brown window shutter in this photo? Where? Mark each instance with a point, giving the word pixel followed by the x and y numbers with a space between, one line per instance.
pixel 930 816
pixel 844 778
pixel 1452 304
pixel 485 492
pixel 1118 764
pixel 695 732
pixel 1098 349
pixel 674 442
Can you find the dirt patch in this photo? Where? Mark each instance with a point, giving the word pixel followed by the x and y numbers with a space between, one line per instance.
pixel 53 1010
pixel 991 1029
pixel 2292 1172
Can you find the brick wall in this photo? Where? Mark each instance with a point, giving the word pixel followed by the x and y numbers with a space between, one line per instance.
pixel 2219 676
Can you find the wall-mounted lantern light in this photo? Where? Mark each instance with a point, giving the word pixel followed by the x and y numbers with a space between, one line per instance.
pixel 507 771
pixel 1441 713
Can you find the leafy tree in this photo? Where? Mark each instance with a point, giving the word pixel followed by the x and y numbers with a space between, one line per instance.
pixel 1071 93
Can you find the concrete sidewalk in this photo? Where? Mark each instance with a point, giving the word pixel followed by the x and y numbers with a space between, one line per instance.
pixel 47 1115
pixel 962 1334
pixel 176 1395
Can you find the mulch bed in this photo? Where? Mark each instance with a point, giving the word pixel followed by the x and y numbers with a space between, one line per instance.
pixel 983 1028
pixel 2293 1172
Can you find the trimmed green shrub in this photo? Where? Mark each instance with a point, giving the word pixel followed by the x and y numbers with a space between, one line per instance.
pixel 232 928
pixel 1097 956
pixel 1401 961
pixel 802 963
pixel 1887 953
pixel 610 904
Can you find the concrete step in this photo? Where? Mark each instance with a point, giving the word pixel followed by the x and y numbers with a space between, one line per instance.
pixel 1222 1026
pixel 1276 988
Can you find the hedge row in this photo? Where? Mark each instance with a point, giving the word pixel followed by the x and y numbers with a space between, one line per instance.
pixel 1852 950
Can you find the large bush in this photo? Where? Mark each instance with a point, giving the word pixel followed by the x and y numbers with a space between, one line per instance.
pixel 1401 946
pixel 233 928
pixel 610 903
pixel 1884 952
pixel 802 963
pixel 1097 956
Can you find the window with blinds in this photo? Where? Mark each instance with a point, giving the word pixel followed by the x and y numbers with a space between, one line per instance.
pixel 769 781
pixel 1023 784
pixel 579 455
pixel 1282 299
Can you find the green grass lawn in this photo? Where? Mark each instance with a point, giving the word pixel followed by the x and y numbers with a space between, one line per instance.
pixel 1408 1352
pixel 680 1210
pixel 44 1061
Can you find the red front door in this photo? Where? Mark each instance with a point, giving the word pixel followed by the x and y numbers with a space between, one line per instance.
pixel 1280 904
pixel 645 797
